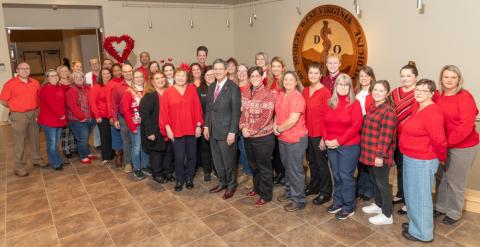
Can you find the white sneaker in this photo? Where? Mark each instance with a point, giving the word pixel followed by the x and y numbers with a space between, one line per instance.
pixel 372 209
pixel 381 219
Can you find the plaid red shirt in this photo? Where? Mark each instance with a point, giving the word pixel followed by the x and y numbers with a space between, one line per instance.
pixel 378 135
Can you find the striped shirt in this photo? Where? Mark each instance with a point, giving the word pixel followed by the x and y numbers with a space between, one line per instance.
pixel 404 104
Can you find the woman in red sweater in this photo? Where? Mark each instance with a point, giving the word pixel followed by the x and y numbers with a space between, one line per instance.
pixel 316 96
pixel 98 104
pixel 79 115
pixel 52 116
pixel 377 146
pixel 341 138
pixel 423 145
pixel 404 103
pixel 181 121
pixel 256 125
pixel 129 107
pixel 459 110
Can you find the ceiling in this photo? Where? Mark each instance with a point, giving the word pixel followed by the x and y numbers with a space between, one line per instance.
pixel 219 2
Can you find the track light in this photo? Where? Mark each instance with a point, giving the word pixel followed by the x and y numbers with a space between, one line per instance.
pixel 420 6
pixel 250 21
pixel 228 23
pixel 299 7
pixel 191 23
pixel 358 10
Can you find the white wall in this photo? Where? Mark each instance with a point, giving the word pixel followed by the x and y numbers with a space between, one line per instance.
pixel 446 34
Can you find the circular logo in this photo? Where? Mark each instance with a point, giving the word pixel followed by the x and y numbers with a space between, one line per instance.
pixel 329 29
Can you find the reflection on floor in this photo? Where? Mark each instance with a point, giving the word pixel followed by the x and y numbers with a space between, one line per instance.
pixel 99 206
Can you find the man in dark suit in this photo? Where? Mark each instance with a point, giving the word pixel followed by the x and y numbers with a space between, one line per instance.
pixel 221 127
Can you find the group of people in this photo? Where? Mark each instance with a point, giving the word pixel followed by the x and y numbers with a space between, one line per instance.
pixel 167 121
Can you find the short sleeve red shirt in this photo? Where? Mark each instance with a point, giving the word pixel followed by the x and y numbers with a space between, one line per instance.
pixel 286 104
pixel 21 96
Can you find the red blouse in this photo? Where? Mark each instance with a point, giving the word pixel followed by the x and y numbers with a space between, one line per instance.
pixel 52 106
pixel 423 135
pixel 344 122
pixel 286 104
pixel 315 111
pixel 98 101
pixel 181 112
pixel 460 112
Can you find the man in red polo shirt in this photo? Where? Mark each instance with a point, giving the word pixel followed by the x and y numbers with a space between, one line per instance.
pixel 145 62
pixel 20 96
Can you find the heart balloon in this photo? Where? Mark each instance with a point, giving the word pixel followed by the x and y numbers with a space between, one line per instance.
pixel 120 56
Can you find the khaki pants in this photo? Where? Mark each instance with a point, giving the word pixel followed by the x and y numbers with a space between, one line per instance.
pixel 450 196
pixel 25 129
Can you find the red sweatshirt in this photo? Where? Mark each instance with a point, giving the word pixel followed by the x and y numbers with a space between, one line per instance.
pixel 129 107
pixel 78 106
pixel 423 135
pixel 110 85
pixel 52 106
pixel 118 89
pixel 343 123
pixel 181 112
pixel 98 101
pixel 460 112
pixel 315 111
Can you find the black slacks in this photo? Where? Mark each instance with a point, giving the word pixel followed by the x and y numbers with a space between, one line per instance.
pixel 105 139
pixel 160 161
pixel 204 155
pixel 320 175
pixel 259 150
pixel 277 161
pixel 185 147
pixel 383 194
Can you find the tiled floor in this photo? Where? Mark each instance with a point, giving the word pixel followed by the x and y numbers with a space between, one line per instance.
pixel 97 206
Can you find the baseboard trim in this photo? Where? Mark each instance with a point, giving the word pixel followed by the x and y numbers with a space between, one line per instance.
pixel 4 123
pixel 472 201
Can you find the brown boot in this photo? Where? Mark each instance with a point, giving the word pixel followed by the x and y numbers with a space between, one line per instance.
pixel 118 159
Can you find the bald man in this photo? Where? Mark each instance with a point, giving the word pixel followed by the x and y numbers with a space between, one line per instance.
pixel 20 96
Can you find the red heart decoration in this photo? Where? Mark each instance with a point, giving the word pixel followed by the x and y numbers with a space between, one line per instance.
pixel 129 45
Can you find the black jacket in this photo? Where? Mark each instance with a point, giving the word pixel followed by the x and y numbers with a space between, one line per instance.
pixel 149 111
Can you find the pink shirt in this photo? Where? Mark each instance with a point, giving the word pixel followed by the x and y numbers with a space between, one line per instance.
pixel 286 104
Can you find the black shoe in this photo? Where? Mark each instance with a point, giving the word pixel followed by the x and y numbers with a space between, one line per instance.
pixel 148 171
pixel 178 186
pixel 189 183
pixel 405 226
pixel 343 215
pixel 412 238
pixel 159 179
pixel 437 214
pixel 365 198
pixel 68 156
pixel 309 192
pixel 207 177
pixel 279 180
pixel 448 221
pixel 320 199
pixel 401 212
pixel 333 209
pixel 139 174
pixel 60 168
pixel 170 178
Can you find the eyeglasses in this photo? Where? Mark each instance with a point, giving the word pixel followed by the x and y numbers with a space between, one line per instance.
pixel 421 91
pixel 343 85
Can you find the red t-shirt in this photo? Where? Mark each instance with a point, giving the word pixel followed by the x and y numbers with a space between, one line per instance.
pixel 459 112
pixel 315 111
pixel 286 104
pixel 423 135
pixel 98 101
pixel 21 96
pixel 181 112
pixel 52 106
pixel 343 123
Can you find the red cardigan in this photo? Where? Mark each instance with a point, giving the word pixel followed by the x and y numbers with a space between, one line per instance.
pixel 460 112
pixel 130 108
pixel 315 111
pixel 343 123
pixel 52 106
pixel 98 101
pixel 423 135
pixel 181 112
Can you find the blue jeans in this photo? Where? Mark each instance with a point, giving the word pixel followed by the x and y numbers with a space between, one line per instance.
pixel 81 131
pixel 116 139
pixel 96 136
pixel 418 177
pixel 139 156
pixel 364 181
pixel 243 156
pixel 52 136
pixel 344 160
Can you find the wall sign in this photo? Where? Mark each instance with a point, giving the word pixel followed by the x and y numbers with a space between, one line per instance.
pixel 329 29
